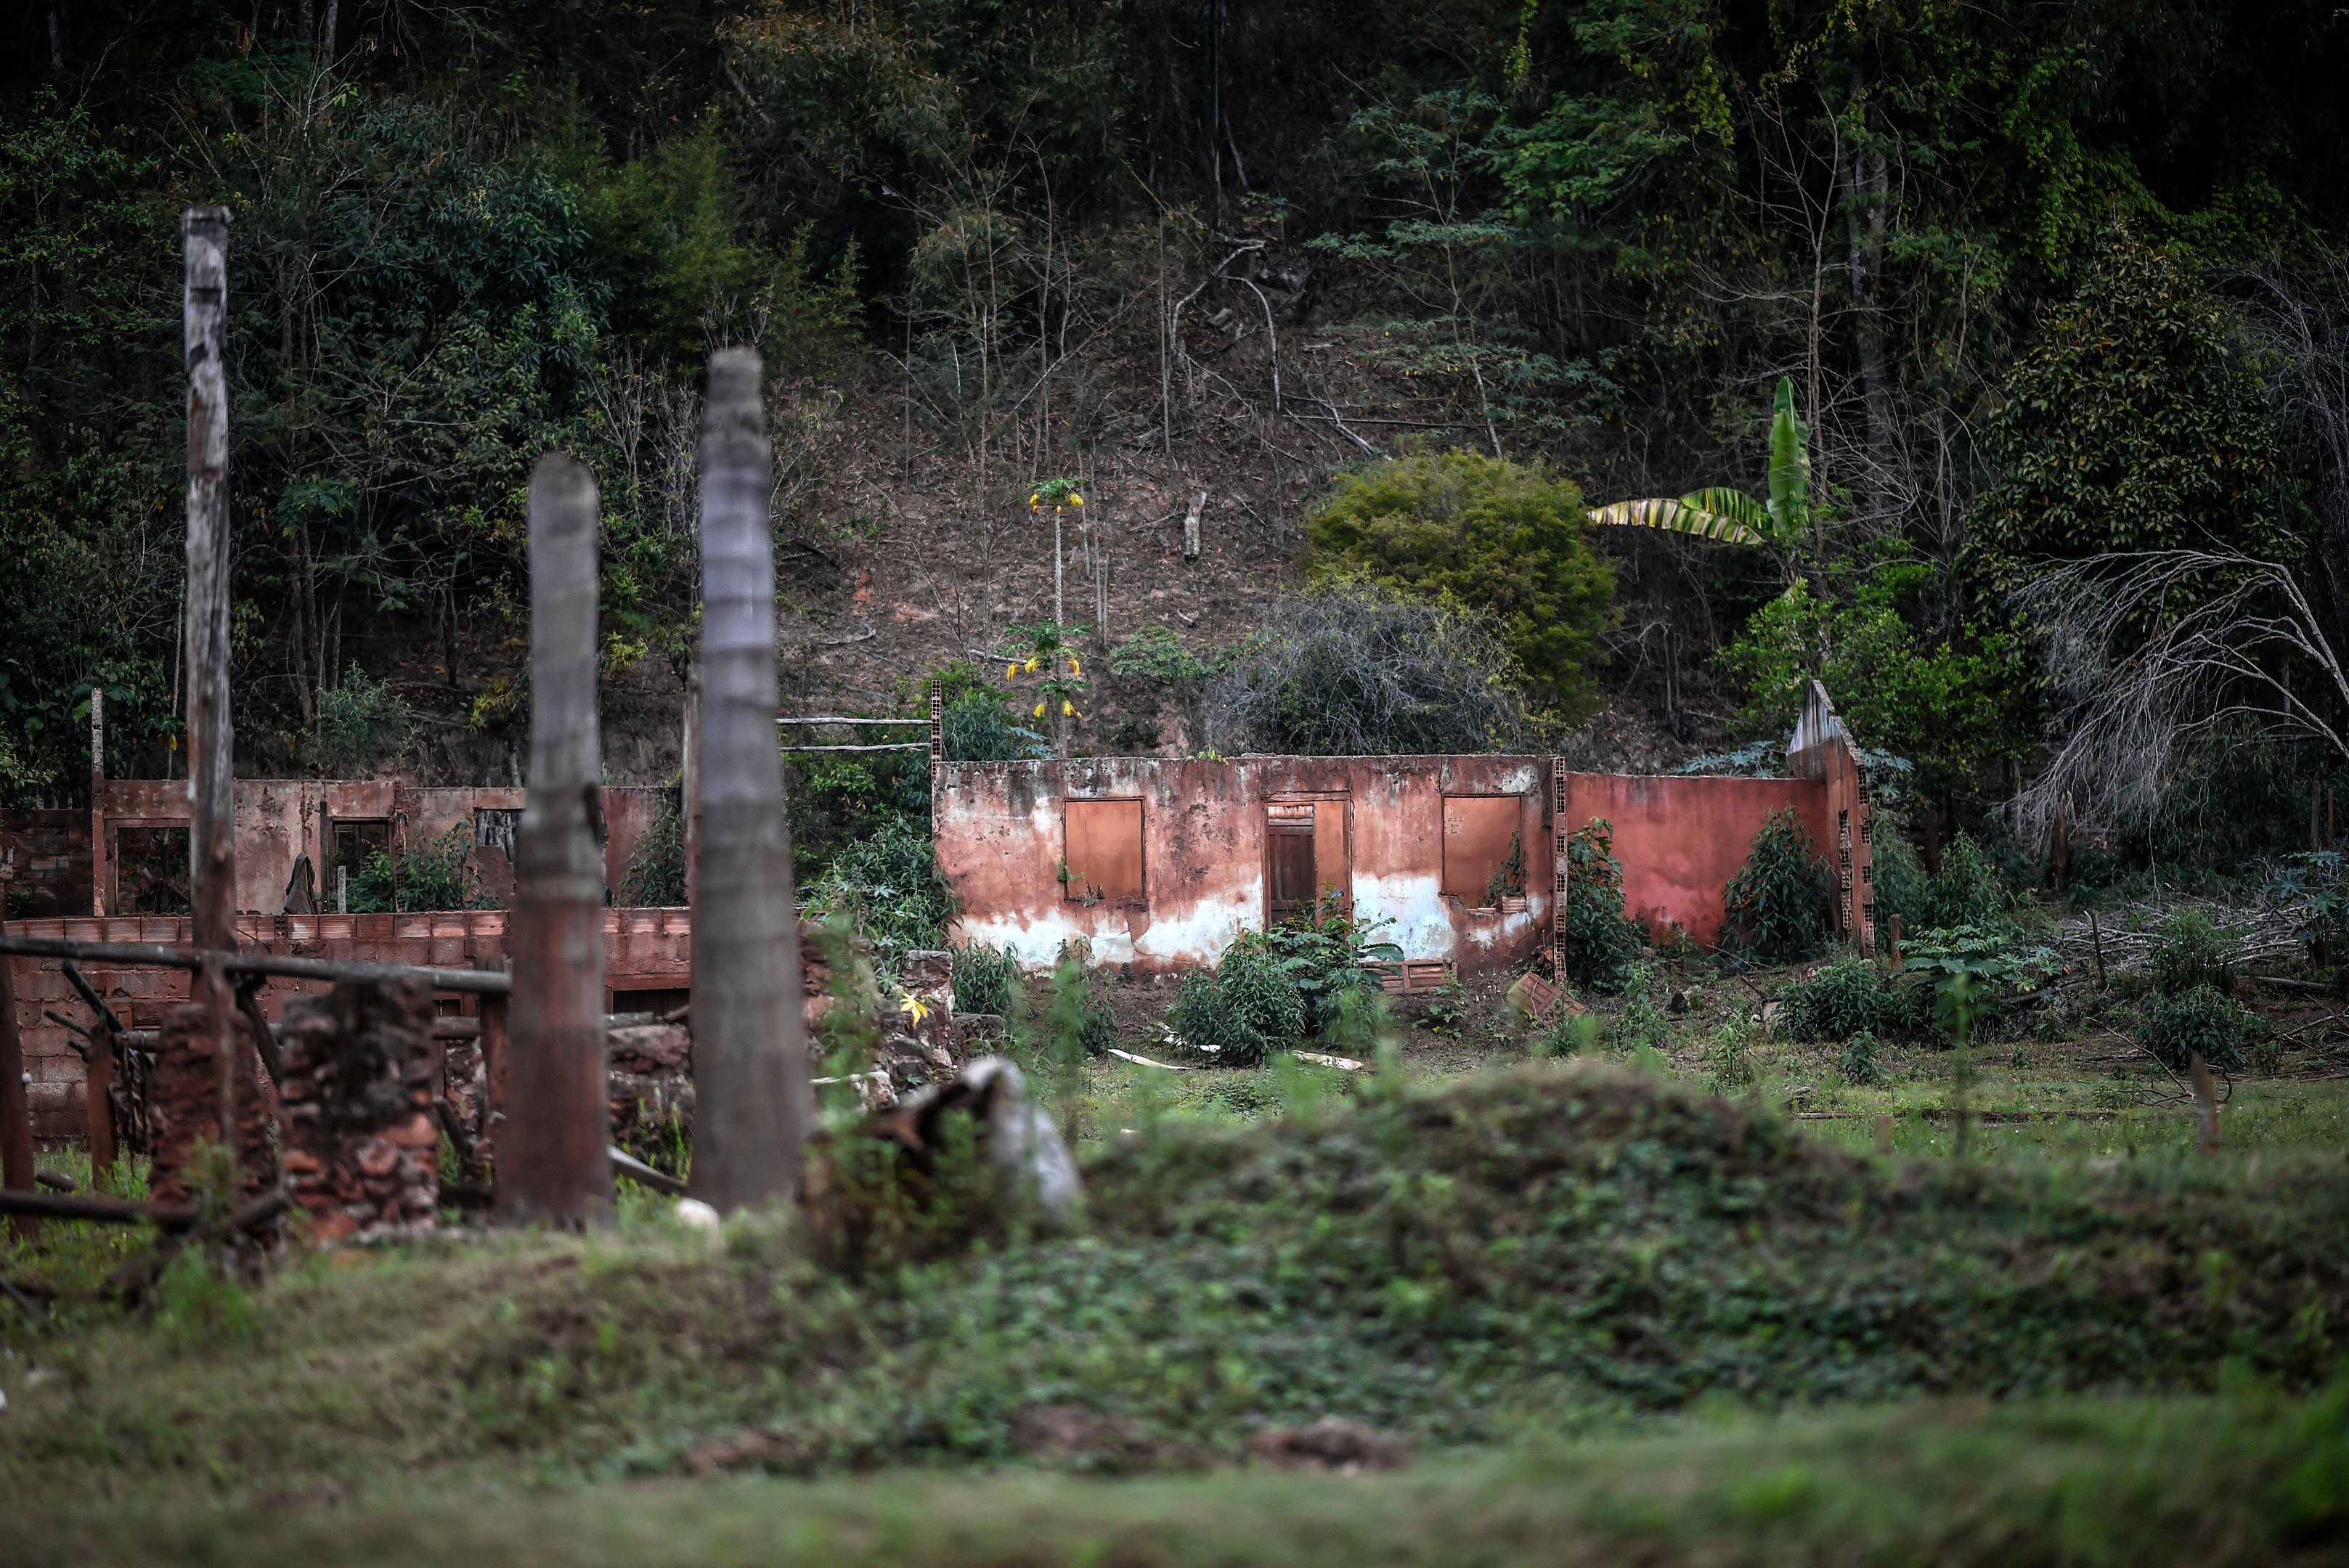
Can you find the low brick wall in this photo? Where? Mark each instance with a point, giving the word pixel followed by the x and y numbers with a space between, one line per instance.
pixel 644 950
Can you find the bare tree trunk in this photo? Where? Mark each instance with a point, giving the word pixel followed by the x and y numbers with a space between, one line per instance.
pixel 552 1166
pixel 1865 194
pixel 212 829
pixel 749 1046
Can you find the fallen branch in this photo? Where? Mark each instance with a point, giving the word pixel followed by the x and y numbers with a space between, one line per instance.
pixel 1323 1059
pixel 249 1215
pixel 154 956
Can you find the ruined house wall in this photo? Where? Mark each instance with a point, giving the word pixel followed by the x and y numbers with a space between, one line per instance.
pixel 279 819
pixel 1002 838
pixel 1681 840
pixel 44 866
pixel 647 951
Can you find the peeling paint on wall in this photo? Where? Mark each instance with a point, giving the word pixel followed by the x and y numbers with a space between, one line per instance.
pixel 1210 850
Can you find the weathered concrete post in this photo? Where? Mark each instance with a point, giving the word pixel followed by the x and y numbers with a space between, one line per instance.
pixel 212 831
pixel 750 1050
pixel 551 1163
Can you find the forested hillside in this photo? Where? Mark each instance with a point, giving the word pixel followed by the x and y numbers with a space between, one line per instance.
pixel 2046 280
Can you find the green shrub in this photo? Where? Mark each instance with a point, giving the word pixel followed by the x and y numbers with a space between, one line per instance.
pixel 1328 955
pixel 1777 902
pixel 438 873
pixel 360 721
pixel 889 883
pixel 1507 539
pixel 656 875
pixel 1079 1023
pixel 2174 1027
pixel 1862 1063
pixel 1845 998
pixel 1244 1010
pixel 1728 1061
pixel 1900 885
pixel 1602 943
pixel 1969 889
pixel 979 728
pixel 986 979
pixel 2188 952
pixel 1643 1025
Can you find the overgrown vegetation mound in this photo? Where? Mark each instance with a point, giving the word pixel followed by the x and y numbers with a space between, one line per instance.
pixel 1512 1252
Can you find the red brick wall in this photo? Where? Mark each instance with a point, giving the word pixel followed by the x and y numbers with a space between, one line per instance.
pixel 644 950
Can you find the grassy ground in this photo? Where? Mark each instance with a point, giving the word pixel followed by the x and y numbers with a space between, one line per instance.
pixel 1618 1313
pixel 2247 1477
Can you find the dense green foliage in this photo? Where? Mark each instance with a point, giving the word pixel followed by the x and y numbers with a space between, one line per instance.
pixel 2198 1021
pixel 2138 423
pixel 1505 539
pixel 987 979
pixel 1461 1264
pixel 1777 903
pixel 1603 942
pixel 1243 1009
pixel 438 873
pixel 1946 704
pixel 1843 999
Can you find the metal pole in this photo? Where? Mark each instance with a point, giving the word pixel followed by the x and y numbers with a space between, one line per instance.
pixel 211 830
pixel 749 1047
pixel 551 1163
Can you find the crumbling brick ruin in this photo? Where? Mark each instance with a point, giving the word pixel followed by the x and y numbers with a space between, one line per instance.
pixel 362 1141
pixel 185 1111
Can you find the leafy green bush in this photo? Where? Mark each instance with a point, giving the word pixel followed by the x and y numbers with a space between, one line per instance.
pixel 358 721
pixel 2189 953
pixel 890 885
pixel 1154 653
pixel 1602 943
pixel 1079 1023
pixel 986 979
pixel 655 874
pixel 1862 1063
pixel 1845 998
pixel 1728 1060
pixel 2173 1027
pixel 1778 902
pixel 1956 975
pixel 1328 955
pixel 1505 539
pixel 979 726
pixel 1969 889
pixel 438 873
pixel 1643 1025
pixel 1242 1011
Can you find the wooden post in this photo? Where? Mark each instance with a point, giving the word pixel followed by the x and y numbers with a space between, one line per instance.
pixel 552 1168
pixel 2096 945
pixel 16 1109
pixel 212 830
pixel 688 779
pixel 98 1091
pixel 1190 526
pixel 749 1047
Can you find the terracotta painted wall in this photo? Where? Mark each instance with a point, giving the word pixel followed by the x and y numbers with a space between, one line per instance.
pixel 1681 840
pixel 644 950
pixel 999 839
pixel 278 819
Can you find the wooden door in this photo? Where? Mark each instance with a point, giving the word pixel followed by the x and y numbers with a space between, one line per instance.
pixel 1306 855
